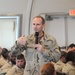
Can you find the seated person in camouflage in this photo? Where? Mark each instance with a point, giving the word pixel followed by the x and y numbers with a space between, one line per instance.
pixel 9 64
pixel 18 69
pixel 69 68
pixel 60 64
pixel 3 59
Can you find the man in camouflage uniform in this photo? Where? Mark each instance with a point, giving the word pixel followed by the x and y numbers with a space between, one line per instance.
pixel 61 63
pixel 38 54
pixel 69 68
pixel 18 69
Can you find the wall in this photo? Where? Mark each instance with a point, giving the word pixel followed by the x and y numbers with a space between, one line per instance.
pixel 39 6
pixel 31 8
pixel 14 7
pixel 43 6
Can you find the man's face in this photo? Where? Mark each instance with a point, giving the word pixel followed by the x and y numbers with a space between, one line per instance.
pixel 20 63
pixel 37 25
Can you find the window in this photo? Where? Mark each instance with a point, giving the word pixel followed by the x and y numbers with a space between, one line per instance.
pixel 10 29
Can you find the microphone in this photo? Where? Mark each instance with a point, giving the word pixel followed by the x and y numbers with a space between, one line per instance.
pixel 36 42
pixel 36 38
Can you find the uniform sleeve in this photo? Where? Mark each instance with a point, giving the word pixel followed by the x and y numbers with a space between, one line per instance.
pixel 56 53
pixel 11 71
pixel 52 53
pixel 71 72
pixel 2 62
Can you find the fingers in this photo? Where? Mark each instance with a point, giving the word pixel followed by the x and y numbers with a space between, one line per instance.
pixel 22 40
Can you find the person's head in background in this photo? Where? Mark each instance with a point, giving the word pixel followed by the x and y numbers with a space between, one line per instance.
pixel 13 58
pixel 20 61
pixel 63 56
pixel 4 53
pixel 71 47
pixel 48 69
pixel 7 54
pixel 71 57
pixel 38 24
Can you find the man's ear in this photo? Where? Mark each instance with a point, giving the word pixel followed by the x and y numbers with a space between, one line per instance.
pixel 44 27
